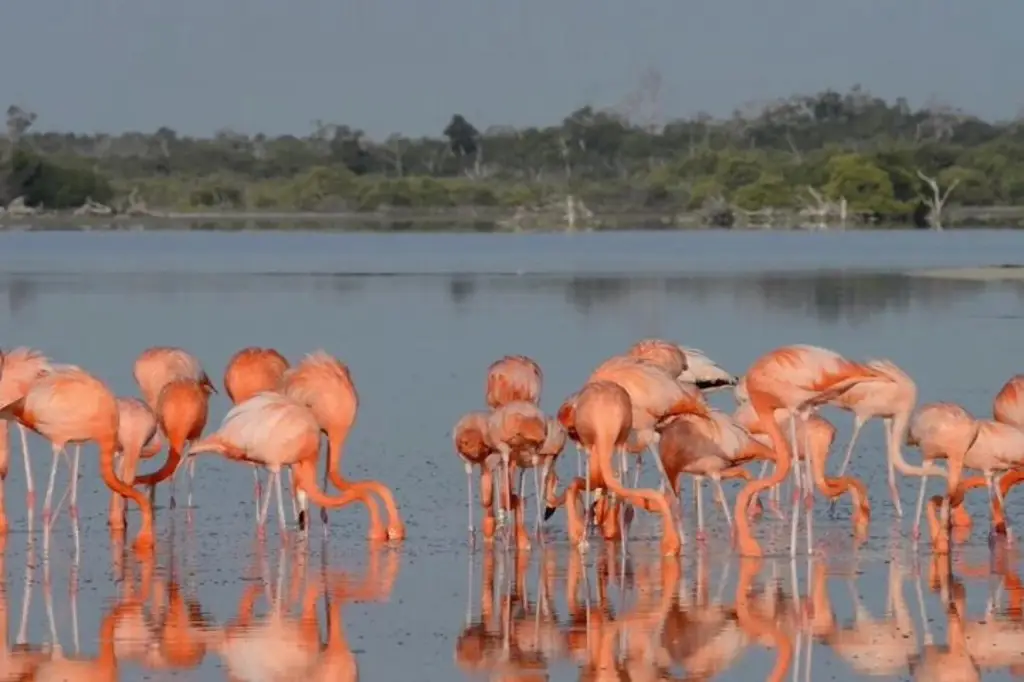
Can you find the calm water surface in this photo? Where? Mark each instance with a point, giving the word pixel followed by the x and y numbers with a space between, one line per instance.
pixel 418 346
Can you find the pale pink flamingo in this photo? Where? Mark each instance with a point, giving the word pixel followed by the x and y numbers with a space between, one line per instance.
pixel 323 383
pixel 275 431
pixel 704 372
pixel 513 378
pixel 665 354
pixel 891 397
pixel 942 431
pixel 21 367
pixel 250 371
pixel 72 406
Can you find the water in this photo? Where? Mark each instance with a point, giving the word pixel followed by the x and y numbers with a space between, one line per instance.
pixel 418 336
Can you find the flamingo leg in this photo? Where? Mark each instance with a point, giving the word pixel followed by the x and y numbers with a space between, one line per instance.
pixel 670 492
pixel 48 500
pixel 698 493
pixel 280 504
pixel 809 490
pixel 1002 505
pixel 257 492
pixel 30 495
pixel 858 424
pixel 73 509
pixel 893 490
pixel 191 466
pixel 265 503
pixel 503 513
pixel 916 532
pixel 294 498
pixel 717 481
pixel 797 485
pixel 536 484
pixel 469 497
pixel 623 470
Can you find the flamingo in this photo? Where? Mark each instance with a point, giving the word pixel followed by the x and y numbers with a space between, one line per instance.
pixel 891 397
pixel 603 419
pixel 19 368
pixel 139 436
pixel 704 372
pixel 664 354
pixel 797 379
pixel 250 371
pixel 470 439
pixel 160 365
pixel 274 431
pixel 712 446
pixel 72 406
pixel 323 384
pixel 513 378
pixel 941 431
pixel 516 431
pixel 182 410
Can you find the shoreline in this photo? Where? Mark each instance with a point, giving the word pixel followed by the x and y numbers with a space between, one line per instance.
pixel 983 273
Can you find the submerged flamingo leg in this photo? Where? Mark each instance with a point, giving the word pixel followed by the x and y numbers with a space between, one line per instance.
pixel 30 494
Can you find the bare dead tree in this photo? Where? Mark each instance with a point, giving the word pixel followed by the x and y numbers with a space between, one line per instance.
pixel 821 209
pixel 393 150
pixel 937 201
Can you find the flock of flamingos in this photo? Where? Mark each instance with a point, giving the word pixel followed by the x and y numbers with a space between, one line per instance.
pixel 651 399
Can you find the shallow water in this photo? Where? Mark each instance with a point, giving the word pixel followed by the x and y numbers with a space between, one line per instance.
pixel 418 346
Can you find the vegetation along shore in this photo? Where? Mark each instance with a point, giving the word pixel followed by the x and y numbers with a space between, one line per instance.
pixel 828 160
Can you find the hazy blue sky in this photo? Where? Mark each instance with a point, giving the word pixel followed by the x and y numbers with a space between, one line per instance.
pixel 407 65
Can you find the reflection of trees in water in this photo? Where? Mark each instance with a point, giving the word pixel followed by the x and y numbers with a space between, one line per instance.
pixel 830 296
pixel 23 290
pixel 461 289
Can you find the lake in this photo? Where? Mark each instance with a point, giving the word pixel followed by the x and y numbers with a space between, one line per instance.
pixel 418 318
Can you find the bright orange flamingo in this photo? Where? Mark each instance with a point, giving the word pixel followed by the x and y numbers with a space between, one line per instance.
pixel 275 431
pixel 160 365
pixel 942 431
pixel 20 368
pixel 250 371
pixel 323 384
pixel 72 406
pixel 603 419
pixel 470 439
pixel 140 439
pixel 891 397
pixel 182 410
pixel 796 379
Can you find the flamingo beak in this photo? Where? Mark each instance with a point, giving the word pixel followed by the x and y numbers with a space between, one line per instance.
pixel 549 512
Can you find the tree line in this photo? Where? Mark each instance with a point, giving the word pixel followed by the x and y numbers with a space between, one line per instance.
pixel 824 157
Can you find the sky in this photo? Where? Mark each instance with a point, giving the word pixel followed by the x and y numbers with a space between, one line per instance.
pixel 386 66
